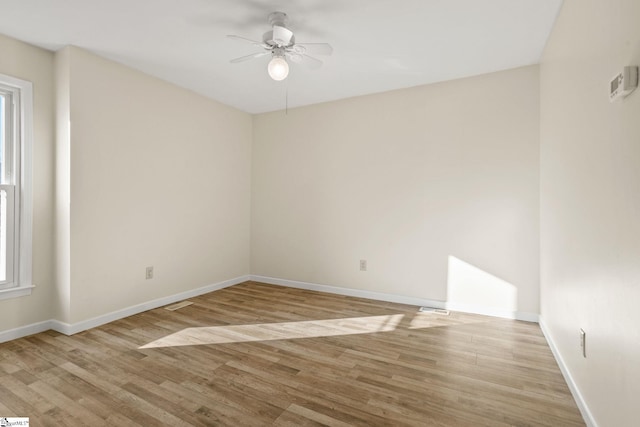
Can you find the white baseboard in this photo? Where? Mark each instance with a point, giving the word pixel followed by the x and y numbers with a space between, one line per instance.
pixel 488 311
pixel 23 331
pixel 495 312
pixel 70 329
pixel 577 396
pixel 62 327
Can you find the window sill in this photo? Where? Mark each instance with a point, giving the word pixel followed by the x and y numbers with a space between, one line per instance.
pixel 19 291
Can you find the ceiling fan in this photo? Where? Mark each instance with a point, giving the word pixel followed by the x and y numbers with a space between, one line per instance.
pixel 281 44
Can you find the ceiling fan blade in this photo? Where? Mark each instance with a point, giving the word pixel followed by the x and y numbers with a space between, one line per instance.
pixel 314 48
pixel 244 39
pixel 310 61
pixel 248 57
pixel 296 58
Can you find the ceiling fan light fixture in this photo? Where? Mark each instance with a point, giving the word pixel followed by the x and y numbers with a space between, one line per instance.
pixel 281 44
pixel 278 68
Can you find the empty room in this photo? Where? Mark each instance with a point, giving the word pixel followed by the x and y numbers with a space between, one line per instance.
pixel 319 212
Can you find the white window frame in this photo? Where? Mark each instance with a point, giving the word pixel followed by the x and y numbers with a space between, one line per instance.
pixel 20 192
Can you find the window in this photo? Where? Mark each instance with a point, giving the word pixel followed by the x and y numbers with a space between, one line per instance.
pixel 15 187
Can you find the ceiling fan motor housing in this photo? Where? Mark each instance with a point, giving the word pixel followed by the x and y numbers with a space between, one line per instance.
pixel 278 18
pixel 279 37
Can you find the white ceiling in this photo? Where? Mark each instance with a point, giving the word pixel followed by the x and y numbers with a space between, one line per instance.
pixel 379 45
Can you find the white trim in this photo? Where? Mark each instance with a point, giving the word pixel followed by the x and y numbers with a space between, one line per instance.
pixel 74 328
pixel 348 291
pixel 15 292
pixel 495 312
pixel 23 233
pixel 577 396
pixel 62 327
pixel 379 296
pixel 70 329
pixel 26 184
pixel 24 331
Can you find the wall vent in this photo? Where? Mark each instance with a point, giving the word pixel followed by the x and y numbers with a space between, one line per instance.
pixel 434 310
pixel 178 305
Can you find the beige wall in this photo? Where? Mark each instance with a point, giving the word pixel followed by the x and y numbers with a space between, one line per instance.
pixel 435 186
pixel 590 204
pixel 160 177
pixel 150 174
pixel 30 63
pixel 143 173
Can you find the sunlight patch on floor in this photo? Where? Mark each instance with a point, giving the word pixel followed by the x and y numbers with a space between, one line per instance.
pixel 278 331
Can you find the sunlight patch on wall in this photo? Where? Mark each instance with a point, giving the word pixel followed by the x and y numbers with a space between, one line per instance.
pixel 278 331
pixel 467 285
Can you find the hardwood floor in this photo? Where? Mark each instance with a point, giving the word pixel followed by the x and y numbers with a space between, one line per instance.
pixel 256 354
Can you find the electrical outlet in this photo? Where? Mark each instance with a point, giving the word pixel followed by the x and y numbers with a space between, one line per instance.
pixel 583 342
pixel 149 273
pixel 363 265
